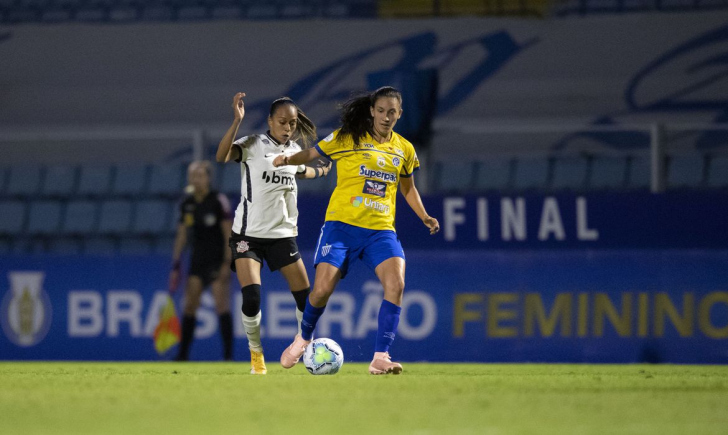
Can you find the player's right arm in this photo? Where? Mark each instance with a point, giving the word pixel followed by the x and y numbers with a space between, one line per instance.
pixel 225 150
pixel 180 241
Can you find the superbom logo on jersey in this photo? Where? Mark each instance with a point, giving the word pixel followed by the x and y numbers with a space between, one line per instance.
pixel 274 178
pixel 372 173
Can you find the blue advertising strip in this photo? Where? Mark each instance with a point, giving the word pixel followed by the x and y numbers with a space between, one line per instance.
pixel 613 220
pixel 469 305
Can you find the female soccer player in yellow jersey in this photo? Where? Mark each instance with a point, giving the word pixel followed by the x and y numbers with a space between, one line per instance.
pixel 371 160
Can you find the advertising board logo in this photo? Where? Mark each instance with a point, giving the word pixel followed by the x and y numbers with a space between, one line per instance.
pixel 26 309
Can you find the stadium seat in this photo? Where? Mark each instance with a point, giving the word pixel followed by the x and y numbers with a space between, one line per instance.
pixel 492 174
pixel 230 179
pixel 569 173
pixel 166 180
pixel 12 217
pixel 718 174
pixel 94 180
pixel 115 217
pixel 28 246
pixel 6 247
pixel 608 172
pixel 64 246
pixel 685 171
pixel 227 12
pixel 44 218
pixel 135 246
pixel 3 179
pixel 23 181
pixel 455 176
pixel 262 12
pixel 59 181
pixel 100 246
pixel 531 173
pixel 55 15
pixel 192 13
pixel 157 13
pixel 151 217
pixel 129 180
pixel 80 217
pixel 639 172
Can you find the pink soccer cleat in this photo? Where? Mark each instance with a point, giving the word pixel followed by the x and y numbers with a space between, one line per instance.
pixel 382 365
pixel 293 353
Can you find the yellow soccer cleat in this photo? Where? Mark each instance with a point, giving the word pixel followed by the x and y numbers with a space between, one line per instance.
pixel 257 363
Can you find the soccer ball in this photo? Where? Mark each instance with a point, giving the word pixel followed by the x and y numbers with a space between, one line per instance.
pixel 323 356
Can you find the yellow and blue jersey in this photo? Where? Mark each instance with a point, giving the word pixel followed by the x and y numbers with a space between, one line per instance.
pixel 367 178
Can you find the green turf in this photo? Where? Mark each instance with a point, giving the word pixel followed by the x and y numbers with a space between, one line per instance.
pixel 211 398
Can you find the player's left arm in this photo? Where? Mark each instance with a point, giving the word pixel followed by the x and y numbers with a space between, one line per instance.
pixel 412 195
pixel 321 170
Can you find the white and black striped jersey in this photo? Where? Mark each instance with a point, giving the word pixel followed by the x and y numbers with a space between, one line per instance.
pixel 268 202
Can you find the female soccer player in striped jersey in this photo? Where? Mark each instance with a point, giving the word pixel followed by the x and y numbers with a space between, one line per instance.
pixel 265 224
pixel 372 161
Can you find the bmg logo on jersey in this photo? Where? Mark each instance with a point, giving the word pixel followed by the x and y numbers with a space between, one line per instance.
pixel 372 187
pixel 275 178
pixel 26 309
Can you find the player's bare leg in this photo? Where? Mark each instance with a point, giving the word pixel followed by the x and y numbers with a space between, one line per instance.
pixel 391 274
pixel 327 276
pixel 295 275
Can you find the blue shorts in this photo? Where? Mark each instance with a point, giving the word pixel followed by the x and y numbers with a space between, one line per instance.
pixel 341 244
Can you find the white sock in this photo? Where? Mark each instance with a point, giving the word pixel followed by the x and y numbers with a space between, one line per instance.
pixel 299 317
pixel 252 330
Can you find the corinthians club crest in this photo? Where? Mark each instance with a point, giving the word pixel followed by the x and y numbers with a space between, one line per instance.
pixel 26 309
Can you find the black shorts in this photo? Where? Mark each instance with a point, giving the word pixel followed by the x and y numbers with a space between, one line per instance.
pixel 277 253
pixel 206 271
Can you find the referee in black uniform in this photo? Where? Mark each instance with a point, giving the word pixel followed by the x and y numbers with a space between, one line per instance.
pixel 204 224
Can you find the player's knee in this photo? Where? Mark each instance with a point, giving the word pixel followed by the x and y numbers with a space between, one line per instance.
pixel 251 300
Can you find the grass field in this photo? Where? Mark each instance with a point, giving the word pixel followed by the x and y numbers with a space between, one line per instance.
pixel 207 398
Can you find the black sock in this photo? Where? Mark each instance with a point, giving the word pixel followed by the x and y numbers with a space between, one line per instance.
pixel 301 296
pixel 188 332
pixel 226 330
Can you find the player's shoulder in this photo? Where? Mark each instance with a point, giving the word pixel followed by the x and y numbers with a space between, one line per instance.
pixel 247 141
pixel 403 144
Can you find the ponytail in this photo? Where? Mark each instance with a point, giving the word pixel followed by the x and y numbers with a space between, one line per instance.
pixel 305 128
pixel 356 116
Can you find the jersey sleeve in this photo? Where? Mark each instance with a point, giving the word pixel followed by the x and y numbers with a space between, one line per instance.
pixel 332 145
pixel 411 162
pixel 243 144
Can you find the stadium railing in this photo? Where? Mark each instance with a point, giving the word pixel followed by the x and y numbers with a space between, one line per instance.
pixel 127 201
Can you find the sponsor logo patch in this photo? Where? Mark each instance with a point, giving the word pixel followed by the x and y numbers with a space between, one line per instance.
pixel 329 138
pixel 210 219
pixel 368 145
pixel 366 156
pixel 369 203
pixel 381 162
pixel 372 187
pixel 325 250
pixel 373 173
pixel 396 161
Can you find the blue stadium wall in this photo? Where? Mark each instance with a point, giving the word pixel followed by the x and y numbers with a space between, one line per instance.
pixel 613 277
